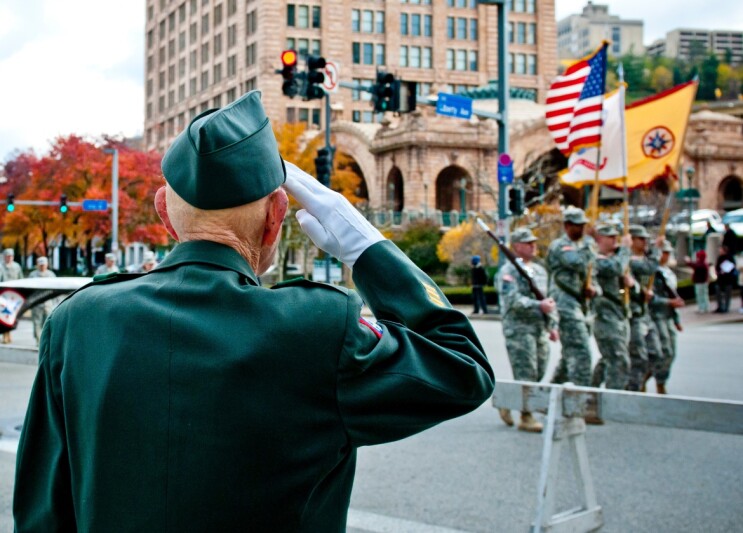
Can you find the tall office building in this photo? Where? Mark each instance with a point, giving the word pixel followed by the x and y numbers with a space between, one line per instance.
pixel 682 43
pixel 578 35
pixel 202 54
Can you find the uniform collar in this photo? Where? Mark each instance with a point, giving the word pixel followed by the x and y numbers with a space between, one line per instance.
pixel 209 253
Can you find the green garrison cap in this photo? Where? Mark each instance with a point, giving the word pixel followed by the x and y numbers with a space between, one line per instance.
pixel 607 230
pixel 226 157
pixel 574 215
pixel 639 231
pixel 522 235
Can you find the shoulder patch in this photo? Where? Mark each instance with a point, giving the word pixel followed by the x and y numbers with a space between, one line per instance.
pixel 375 328
pixel 567 248
pixel 304 282
pixel 508 278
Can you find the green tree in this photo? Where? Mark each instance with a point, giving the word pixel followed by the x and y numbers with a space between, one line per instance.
pixel 419 241
pixel 708 78
pixel 661 79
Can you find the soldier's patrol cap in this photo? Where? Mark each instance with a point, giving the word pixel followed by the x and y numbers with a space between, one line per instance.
pixel 226 157
pixel 110 256
pixel 522 235
pixel 8 251
pixel 667 246
pixel 149 257
pixel 639 231
pixel 42 261
pixel 607 230
pixel 574 215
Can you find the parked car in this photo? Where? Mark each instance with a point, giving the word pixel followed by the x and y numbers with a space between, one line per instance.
pixel 735 219
pixel 699 218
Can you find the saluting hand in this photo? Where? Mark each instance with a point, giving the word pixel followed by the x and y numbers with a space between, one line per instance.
pixel 333 224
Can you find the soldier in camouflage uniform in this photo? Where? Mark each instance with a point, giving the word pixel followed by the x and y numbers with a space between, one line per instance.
pixel 611 327
pixel 528 323
pixel 665 318
pixel 642 330
pixel 569 261
pixel 9 271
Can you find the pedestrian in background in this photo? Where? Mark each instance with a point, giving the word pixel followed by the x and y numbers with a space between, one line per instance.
pixel 109 266
pixel 528 323
pixel 193 399
pixel 727 277
pixel 479 281
pixel 9 271
pixel 40 312
pixel 700 278
pixel 569 261
pixel 148 262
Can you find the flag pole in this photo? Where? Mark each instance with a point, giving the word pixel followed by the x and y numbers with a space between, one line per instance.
pixel 625 188
pixel 594 207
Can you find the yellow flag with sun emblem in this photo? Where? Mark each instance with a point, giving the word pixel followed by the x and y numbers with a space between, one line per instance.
pixel 655 129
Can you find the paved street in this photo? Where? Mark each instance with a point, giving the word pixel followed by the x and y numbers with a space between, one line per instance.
pixel 474 474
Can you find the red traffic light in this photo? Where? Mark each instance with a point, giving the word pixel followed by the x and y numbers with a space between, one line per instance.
pixel 289 58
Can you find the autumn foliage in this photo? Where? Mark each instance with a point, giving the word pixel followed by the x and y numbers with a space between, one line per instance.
pixel 82 170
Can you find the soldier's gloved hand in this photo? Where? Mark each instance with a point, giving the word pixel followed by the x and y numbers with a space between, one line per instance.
pixel 333 224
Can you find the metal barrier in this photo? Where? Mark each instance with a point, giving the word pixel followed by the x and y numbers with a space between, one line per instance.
pixel 567 405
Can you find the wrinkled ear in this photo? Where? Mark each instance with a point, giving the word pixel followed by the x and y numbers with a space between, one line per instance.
pixel 278 203
pixel 162 211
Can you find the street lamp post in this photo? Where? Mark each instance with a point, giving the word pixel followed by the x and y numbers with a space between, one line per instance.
pixel 114 198
pixel 690 200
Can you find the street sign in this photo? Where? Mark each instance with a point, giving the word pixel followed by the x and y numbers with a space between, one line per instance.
pixel 95 205
pixel 452 105
pixel 505 169
pixel 332 75
pixel 688 193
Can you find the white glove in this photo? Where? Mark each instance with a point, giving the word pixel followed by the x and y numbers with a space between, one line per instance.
pixel 333 224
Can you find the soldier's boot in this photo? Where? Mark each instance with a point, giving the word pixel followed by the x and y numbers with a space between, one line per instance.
pixel 528 423
pixel 593 420
pixel 505 415
pixel 648 375
pixel 661 388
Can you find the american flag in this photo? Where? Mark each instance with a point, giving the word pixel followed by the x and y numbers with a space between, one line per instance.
pixel 575 101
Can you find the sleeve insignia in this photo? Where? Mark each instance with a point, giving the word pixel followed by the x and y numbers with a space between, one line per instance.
pixel 433 295
pixel 375 328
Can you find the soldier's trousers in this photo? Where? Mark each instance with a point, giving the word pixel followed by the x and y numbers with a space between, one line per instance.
pixel 613 367
pixel 575 363
pixel 642 358
pixel 666 335
pixel 528 351
pixel 39 315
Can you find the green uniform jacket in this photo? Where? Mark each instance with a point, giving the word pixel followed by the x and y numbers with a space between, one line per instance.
pixel 193 399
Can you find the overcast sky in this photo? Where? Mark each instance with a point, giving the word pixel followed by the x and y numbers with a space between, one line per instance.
pixel 76 66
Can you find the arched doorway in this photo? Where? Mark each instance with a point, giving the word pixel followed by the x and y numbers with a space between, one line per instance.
pixel 730 193
pixel 453 188
pixel 395 192
pixel 351 177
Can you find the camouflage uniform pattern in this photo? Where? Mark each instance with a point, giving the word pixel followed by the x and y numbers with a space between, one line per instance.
pixel 642 329
pixel 664 317
pixel 524 325
pixel 611 327
pixel 568 264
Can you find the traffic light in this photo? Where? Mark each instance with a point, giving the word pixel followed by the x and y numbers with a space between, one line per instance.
pixel 324 165
pixel 10 206
pixel 386 93
pixel 315 77
pixel 290 86
pixel 63 204
pixel 516 201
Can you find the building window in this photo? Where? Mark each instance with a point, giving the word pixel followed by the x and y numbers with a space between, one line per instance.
pixel 205 52
pixel 403 56
pixel 616 40
pixel 171 98
pixel 161 54
pixel 415 56
pixel 192 7
pixel 162 30
pixel 303 17
pixel 380 21
pixel 204 80
pixel 231 7
pixel 520 64
pixel 218 15
pixel 217 44
pixel 531 34
pixel 403 23
pixel 531 6
pixel 510 32
pixel 356 117
pixel 217 72
pixel 303 47
pixel 355 20
pixel 250 22
pixel 367 21
pixel 427 25
pixel 520 33
pixel 181 92
pixel 182 67
pixel 368 54
pixel 381 56
pixel 427 57
pixel 181 41
pixel 449 27
pixel 171 74
pixel 291 15
pixel 415 25
pixel 205 24
pixel 150 63
pixel 473 60
pixel 510 63
pixel 531 64
pixel 217 101
pixel 149 87
pixel 461 59
pixel 473 29
pixel 461 28
pixel 250 55
pixel 150 39
pixel 316 17
pixel 356 53
pixel 231 65
pixel 161 80
pixel 250 85
pixel 450 59
pixel 193 33
pixel 161 104
pixel 231 95
pixel 232 36
pixel 519 6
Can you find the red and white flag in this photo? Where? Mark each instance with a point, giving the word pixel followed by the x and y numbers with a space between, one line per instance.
pixel 575 101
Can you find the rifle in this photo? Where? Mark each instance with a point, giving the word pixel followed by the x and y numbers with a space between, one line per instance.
pixel 539 295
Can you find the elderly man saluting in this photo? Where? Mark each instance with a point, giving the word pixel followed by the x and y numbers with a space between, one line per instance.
pixel 193 399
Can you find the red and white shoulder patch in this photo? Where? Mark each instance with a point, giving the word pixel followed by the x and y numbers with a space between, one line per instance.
pixel 375 328
pixel 508 278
